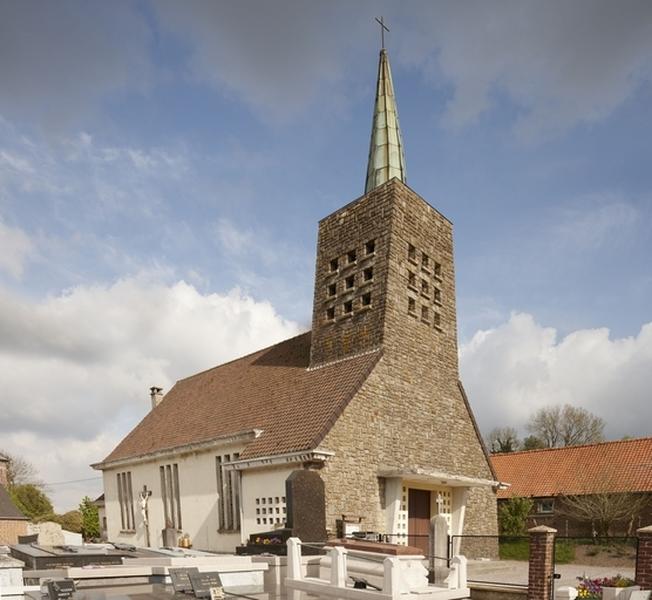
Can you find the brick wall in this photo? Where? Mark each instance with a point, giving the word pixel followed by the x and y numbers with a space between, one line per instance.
pixel 10 530
pixel 410 412
pixel 644 558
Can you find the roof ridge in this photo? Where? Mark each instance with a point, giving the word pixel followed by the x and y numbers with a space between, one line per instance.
pixel 606 442
pixel 228 362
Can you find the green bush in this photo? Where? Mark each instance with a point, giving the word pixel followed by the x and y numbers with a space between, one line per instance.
pixel 513 514
pixel 30 500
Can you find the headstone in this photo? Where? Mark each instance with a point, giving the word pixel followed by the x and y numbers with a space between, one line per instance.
pixel 306 505
pixel 438 548
pixel 50 534
pixel 181 578
pixel 61 589
pixel 203 583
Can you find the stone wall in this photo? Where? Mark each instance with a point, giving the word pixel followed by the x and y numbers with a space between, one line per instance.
pixel 411 411
pixel 10 529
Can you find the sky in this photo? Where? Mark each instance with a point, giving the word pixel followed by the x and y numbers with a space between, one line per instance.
pixel 163 166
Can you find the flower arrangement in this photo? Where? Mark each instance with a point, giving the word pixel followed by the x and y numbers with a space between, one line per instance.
pixel 591 589
pixel 267 541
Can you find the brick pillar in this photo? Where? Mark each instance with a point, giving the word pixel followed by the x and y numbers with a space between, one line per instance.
pixel 644 558
pixel 541 565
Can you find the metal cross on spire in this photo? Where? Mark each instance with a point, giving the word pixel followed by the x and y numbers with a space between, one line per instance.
pixel 383 29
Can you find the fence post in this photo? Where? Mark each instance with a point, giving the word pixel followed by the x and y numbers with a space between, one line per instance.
pixel 644 558
pixel 294 565
pixel 541 564
pixel 338 566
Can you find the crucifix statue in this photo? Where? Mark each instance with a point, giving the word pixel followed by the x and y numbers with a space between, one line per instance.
pixel 383 29
pixel 143 497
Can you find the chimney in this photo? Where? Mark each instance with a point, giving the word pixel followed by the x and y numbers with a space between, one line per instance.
pixel 156 394
pixel 4 465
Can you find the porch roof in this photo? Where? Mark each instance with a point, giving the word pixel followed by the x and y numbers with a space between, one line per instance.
pixel 436 477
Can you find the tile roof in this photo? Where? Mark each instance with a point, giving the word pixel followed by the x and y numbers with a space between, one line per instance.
pixel 271 390
pixel 8 509
pixel 621 466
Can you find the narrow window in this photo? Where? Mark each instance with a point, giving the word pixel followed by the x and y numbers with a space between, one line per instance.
pixel 125 499
pixel 368 274
pixel 352 256
pixel 412 279
pixel 349 282
pixel 370 247
pixel 425 261
pixel 437 296
pixel 330 313
pixel 424 313
pixel 334 264
pixel 171 495
pixel 332 289
pixel 425 288
pixel 412 306
pixel 366 300
pixel 436 319
pixel 412 253
pixel 437 270
pixel 348 307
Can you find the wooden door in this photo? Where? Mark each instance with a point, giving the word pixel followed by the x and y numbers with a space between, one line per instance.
pixel 419 519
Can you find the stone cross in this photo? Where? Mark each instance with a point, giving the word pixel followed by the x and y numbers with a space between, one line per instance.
pixel 440 504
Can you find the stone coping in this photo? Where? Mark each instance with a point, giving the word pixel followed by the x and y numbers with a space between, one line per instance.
pixel 376 547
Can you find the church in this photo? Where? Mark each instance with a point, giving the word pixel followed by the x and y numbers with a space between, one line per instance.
pixel 370 397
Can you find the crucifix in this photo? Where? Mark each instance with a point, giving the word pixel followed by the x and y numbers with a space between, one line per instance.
pixel 440 504
pixel 143 497
pixel 383 29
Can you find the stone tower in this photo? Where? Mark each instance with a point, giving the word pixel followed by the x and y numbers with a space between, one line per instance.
pixel 384 272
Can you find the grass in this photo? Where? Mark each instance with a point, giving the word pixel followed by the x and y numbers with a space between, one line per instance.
pixel 520 549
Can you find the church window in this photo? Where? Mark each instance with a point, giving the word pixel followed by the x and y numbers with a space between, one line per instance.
pixel 348 307
pixel 370 247
pixel 349 282
pixel 171 495
pixel 412 253
pixel 334 264
pixel 228 493
pixel 412 306
pixel 437 296
pixel 366 300
pixel 425 288
pixel 424 313
pixel 330 313
pixel 352 256
pixel 425 261
pixel 368 274
pixel 126 500
pixel 332 289
pixel 412 280
pixel 437 270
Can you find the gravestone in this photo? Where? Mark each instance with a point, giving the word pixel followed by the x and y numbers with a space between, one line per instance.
pixel 306 517
pixel 50 534
pixel 306 505
pixel 438 548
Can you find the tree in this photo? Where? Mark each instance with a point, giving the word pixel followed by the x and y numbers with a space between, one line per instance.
pixel 503 439
pixel 20 471
pixel 558 426
pixel 532 442
pixel 30 500
pixel 604 509
pixel 90 519
pixel 513 514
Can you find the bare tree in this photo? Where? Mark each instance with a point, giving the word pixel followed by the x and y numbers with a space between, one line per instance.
pixel 503 439
pixel 558 426
pixel 604 509
pixel 21 471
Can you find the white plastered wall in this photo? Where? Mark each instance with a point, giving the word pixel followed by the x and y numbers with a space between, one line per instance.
pixel 198 495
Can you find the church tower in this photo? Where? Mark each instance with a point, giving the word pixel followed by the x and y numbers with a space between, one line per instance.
pixel 384 272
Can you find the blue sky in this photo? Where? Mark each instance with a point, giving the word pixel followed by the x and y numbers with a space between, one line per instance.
pixel 163 166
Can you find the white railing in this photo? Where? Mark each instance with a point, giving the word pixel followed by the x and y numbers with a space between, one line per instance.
pixel 391 589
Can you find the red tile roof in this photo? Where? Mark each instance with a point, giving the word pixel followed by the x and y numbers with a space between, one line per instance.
pixel 272 390
pixel 622 466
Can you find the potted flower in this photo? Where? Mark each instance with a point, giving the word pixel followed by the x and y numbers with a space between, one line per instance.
pixel 618 588
pixel 589 589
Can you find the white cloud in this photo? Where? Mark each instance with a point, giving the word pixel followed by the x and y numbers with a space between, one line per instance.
pixel 15 249
pixel 77 366
pixel 514 369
